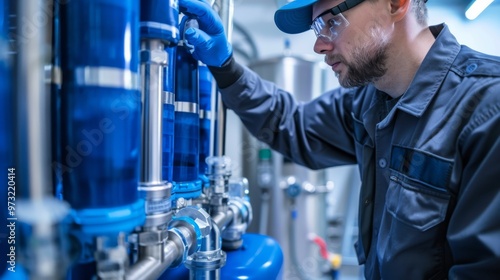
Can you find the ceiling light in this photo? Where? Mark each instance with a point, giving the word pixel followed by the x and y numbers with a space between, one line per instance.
pixel 476 8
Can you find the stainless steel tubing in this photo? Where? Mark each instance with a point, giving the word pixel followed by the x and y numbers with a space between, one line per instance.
pixel 143 269
pixel 222 219
pixel 152 188
pixel 206 263
pixel 36 208
pixel 33 99
pixel 226 13
pixel 153 59
pixel 219 126
pixel 171 251
pixel 151 268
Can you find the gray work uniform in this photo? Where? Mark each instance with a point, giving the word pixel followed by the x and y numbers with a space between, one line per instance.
pixel 429 161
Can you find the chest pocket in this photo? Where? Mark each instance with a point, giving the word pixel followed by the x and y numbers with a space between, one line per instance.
pixel 417 194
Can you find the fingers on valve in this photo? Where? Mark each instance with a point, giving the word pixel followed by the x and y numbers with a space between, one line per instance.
pixel 202 10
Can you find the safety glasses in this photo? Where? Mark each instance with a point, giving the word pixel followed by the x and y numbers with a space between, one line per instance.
pixel 330 23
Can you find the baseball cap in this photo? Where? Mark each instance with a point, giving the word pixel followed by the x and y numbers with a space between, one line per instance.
pixel 295 17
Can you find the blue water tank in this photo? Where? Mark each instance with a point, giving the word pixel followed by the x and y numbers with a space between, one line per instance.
pixel 259 258
pixel 100 103
pixel 100 122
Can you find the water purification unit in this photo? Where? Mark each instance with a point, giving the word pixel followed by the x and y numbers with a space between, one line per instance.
pixel 110 142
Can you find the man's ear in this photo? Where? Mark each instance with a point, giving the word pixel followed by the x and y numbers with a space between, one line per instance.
pixel 399 8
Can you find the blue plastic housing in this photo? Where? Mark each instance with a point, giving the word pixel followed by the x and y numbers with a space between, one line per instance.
pixel 186 77
pixel 100 133
pixel 168 115
pixel 205 107
pixel 206 79
pixel 186 144
pixel 260 257
pixel 187 124
pixel 101 147
pixel 100 33
pixel 160 20
pixel 168 142
pixel 169 71
pixel 187 190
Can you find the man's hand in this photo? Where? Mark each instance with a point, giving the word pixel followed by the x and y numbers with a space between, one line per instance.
pixel 210 43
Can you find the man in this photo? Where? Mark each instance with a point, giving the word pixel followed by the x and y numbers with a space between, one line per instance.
pixel 419 114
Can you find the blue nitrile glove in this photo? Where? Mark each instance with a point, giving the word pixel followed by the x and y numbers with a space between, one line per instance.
pixel 210 43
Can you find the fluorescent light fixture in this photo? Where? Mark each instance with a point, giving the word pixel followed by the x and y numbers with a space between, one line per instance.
pixel 476 8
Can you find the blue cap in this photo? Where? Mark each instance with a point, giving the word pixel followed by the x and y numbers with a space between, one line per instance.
pixel 295 17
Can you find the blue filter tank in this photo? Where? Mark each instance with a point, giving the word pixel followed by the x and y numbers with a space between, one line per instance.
pixel 100 103
pixel 168 115
pixel 187 124
pixel 186 117
pixel 100 122
pixel 205 84
pixel 160 20
pixel 260 257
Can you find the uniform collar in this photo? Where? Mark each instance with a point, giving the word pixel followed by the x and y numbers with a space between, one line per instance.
pixel 431 73
pixel 425 85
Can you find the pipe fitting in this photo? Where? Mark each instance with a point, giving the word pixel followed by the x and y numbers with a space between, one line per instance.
pixel 158 204
pixel 206 263
pixel 199 216
pixel 218 173
pixel 160 249
pixel 242 217
pixel 188 228
pixel 153 53
pixel 151 238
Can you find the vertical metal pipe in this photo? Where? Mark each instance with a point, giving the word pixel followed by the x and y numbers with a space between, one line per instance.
pixel 151 86
pixel 220 127
pixel 32 97
pixel 226 13
pixel 207 262
pixel 40 241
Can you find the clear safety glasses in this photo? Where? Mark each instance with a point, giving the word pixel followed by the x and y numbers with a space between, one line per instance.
pixel 330 28
pixel 330 23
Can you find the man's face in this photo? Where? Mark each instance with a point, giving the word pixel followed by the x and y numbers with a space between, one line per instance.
pixel 358 55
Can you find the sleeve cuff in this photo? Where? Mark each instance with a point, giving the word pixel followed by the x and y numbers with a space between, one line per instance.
pixel 227 74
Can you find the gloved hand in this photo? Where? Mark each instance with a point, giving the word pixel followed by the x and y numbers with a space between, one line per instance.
pixel 210 43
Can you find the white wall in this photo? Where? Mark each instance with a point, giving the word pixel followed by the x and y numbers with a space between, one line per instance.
pixel 482 34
